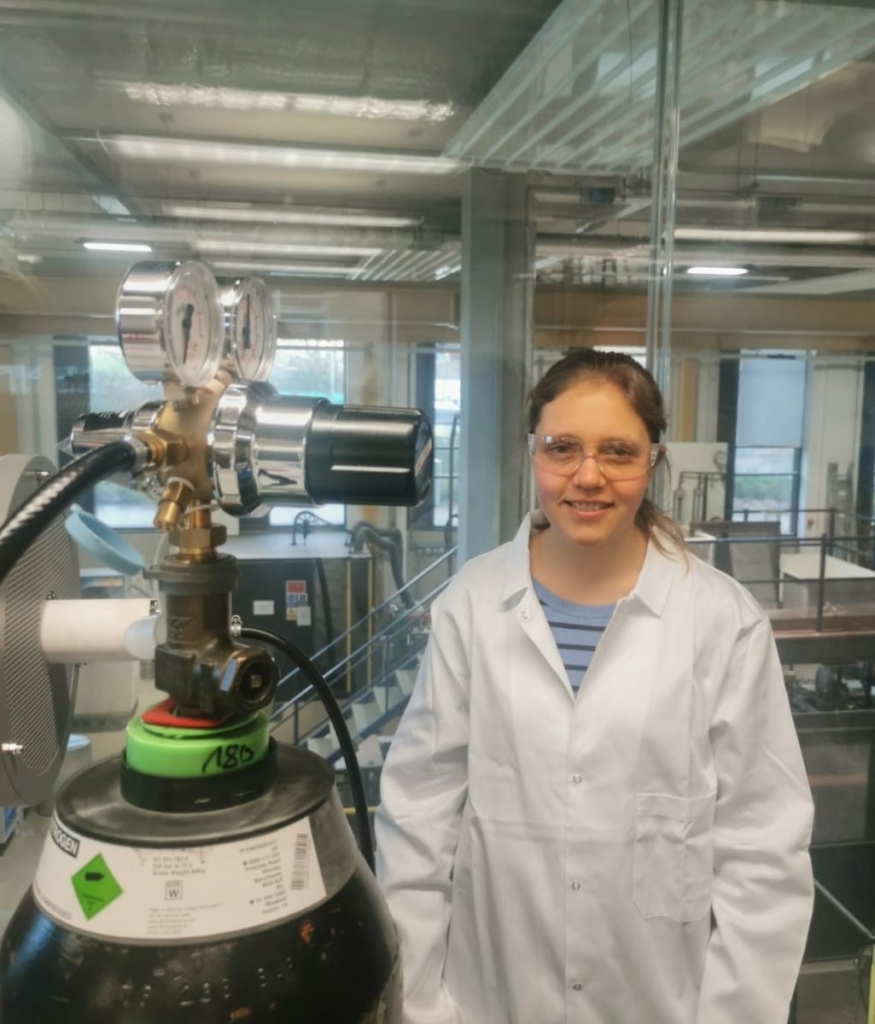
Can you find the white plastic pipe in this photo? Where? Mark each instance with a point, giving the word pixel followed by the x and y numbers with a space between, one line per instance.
pixel 110 629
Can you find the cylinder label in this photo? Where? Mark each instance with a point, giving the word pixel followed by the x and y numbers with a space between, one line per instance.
pixel 176 894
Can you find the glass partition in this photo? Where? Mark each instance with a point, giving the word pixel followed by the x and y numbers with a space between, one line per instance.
pixel 772 405
pixel 316 150
pixel 442 202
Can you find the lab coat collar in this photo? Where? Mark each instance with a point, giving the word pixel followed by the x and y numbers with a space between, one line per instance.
pixel 652 588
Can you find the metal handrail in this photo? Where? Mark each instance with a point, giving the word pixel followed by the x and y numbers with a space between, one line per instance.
pixel 371 615
pixel 295 704
pixel 408 658
pixel 408 613
pixel 786 540
pixel 825 544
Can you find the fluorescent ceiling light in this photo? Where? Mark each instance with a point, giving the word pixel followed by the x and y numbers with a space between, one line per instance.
pixel 230 246
pixel 261 267
pixel 778 235
pixel 116 246
pixel 199 151
pixel 717 271
pixel 286 215
pixel 29 257
pixel 223 98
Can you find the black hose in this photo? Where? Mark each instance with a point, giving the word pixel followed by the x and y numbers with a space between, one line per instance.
pixel 356 783
pixel 23 527
pixel 389 541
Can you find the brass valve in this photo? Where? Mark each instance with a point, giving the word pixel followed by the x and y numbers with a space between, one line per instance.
pixel 177 496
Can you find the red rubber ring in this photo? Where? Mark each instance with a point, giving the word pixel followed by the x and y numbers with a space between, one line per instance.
pixel 164 715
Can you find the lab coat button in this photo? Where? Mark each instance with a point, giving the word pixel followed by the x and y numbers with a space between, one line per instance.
pixel 576 778
pixel 575 886
pixel 577 986
pixel 524 613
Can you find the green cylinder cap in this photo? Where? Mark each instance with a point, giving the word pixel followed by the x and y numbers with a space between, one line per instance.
pixel 178 753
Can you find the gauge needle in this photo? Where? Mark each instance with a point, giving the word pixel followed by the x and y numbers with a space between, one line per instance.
pixel 247 329
pixel 186 329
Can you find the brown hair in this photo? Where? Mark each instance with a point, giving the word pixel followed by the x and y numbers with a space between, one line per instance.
pixel 642 391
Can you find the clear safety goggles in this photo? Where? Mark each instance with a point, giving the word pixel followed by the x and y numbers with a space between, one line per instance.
pixel 616 460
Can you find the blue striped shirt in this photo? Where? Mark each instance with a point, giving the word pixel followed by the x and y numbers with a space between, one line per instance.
pixel 577 629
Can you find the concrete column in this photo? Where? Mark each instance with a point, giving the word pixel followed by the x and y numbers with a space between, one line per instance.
pixel 496 338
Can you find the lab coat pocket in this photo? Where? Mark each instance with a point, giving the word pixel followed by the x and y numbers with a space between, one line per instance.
pixel 673 859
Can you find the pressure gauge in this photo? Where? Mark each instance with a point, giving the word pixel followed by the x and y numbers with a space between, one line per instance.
pixel 250 327
pixel 169 319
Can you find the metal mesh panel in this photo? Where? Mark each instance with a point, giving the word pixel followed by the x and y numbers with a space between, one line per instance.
pixel 37 694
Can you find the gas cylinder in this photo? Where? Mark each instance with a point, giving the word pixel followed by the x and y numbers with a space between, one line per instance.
pixel 201 879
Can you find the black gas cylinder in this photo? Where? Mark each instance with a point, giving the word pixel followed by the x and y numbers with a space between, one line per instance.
pixel 254 907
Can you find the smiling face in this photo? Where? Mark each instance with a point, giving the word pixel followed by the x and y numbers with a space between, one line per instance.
pixel 585 508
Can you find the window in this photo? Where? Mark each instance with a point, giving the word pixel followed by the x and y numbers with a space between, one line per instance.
pixel 445 423
pixel 767 485
pixel 769 436
pixel 113 388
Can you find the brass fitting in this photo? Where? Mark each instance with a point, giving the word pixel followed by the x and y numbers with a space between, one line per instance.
pixel 199 518
pixel 186 418
pixel 177 496
pixel 197 544
pixel 166 450
pixel 199 664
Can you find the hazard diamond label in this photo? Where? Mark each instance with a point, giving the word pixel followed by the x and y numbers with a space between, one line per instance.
pixel 95 887
pixel 175 894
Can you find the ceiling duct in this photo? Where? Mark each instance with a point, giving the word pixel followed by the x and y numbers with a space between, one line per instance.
pixel 206 152
pixel 580 98
pixel 230 237
pixel 826 256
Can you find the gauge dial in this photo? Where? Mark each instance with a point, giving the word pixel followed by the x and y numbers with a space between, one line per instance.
pixel 192 324
pixel 250 327
pixel 169 318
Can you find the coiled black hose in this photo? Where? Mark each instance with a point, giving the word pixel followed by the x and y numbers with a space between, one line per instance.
pixel 347 748
pixel 23 527
pixel 389 541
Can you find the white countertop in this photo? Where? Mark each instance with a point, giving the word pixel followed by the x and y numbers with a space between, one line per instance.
pixel 805 565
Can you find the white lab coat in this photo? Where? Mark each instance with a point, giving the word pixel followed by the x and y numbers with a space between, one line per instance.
pixel 638 855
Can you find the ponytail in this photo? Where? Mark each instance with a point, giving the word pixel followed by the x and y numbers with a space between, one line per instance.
pixel 659 528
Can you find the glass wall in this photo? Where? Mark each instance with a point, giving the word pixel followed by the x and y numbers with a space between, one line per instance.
pixel 315 150
pixel 771 347
pixel 359 164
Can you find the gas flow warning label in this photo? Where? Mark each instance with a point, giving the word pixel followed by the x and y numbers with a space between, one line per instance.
pixel 148 894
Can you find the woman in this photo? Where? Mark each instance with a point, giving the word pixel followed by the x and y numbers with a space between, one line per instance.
pixel 595 809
